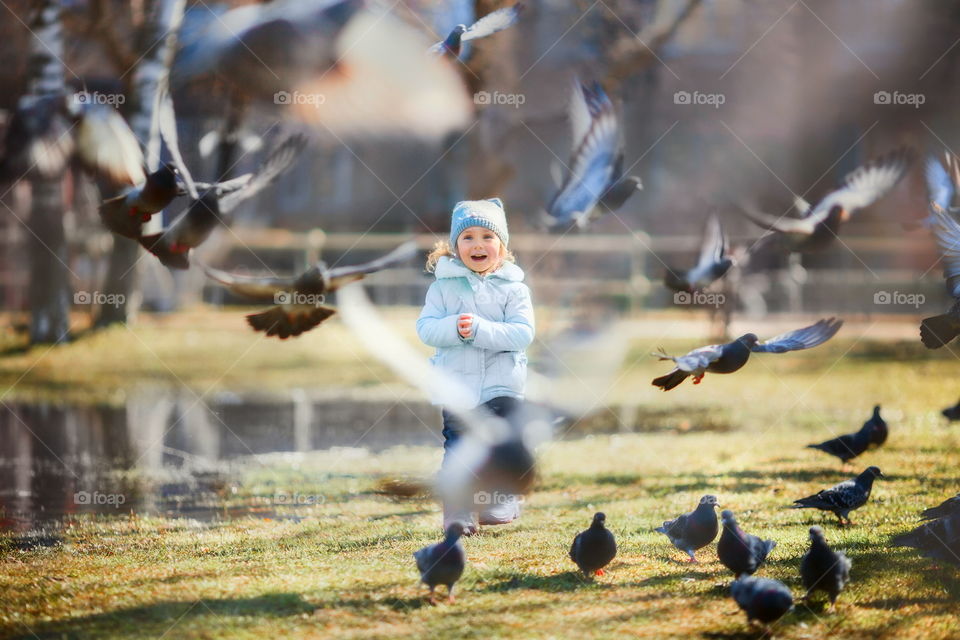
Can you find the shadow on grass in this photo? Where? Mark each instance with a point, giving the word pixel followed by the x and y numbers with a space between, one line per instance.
pixel 162 617
pixel 566 581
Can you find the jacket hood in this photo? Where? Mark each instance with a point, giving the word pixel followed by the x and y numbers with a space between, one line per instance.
pixel 448 267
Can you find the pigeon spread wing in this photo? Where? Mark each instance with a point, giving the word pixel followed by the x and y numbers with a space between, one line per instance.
pixel 278 162
pixel 865 185
pixel 939 185
pixel 107 146
pixel 493 22
pixel 798 339
pixel 339 276
pixel 699 359
pixel 947 232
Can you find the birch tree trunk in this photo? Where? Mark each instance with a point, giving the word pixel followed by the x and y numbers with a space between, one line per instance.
pixel 49 291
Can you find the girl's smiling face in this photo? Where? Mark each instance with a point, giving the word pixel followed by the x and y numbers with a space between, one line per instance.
pixel 480 249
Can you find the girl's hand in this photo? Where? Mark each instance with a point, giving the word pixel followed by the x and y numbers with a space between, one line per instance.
pixel 465 325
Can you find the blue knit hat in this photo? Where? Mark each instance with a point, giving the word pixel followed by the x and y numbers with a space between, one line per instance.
pixel 479 213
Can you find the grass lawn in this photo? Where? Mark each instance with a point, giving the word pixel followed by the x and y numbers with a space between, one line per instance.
pixel 341 566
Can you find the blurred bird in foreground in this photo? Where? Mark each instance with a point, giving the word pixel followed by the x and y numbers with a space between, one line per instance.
pixel 730 357
pixel 344 67
pixel 942 183
pixel 495 453
pixel 487 25
pixel 193 226
pixel 46 133
pixel 763 600
pixel 818 226
pixel 299 300
pixel 594 181
pixel 952 413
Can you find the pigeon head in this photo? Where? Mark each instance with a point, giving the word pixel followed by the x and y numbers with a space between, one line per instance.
pixel 599 519
pixel 872 472
pixel 837 214
pixel 710 500
pixel 816 535
pixel 165 176
pixel 454 531
pixel 728 519
pixel 748 340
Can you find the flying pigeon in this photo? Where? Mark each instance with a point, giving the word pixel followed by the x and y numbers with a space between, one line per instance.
pixel 823 569
pixel 300 299
pixel 952 413
pixel 594 548
pixel 195 225
pixel 879 426
pixel 443 562
pixel 47 132
pixel 730 357
pixel 487 25
pixel 741 552
pixel 819 225
pixel 594 182
pixel 712 265
pixel 939 538
pixel 849 445
pixel 942 180
pixel 762 599
pixel 346 68
pixel 844 497
pixel 694 530
pixel 937 331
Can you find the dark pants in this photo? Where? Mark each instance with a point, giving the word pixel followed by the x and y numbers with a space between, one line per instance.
pixel 453 428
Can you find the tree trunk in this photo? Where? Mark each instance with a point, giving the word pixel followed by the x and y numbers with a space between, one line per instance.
pixel 123 274
pixel 49 291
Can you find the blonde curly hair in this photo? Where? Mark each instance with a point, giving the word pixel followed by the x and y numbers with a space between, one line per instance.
pixel 442 248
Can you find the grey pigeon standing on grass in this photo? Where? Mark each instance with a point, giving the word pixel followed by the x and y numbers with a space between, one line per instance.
pixel 442 563
pixel 741 552
pixel 762 599
pixel 823 569
pixel 694 530
pixel 594 548
pixel 849 445
pixel 843 498
pixel 940 537
pixel 730 357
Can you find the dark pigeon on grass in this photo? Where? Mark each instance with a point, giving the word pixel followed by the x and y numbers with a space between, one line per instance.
pixel 823 569
pixel 849 445
pixel 940 537
pixel 694 530
pixel 741 552
pixel 952 413
pixel 594 548
pixel 442 563
pixel 843 498
pixel 730 357
pixel 762 599
pixel 879 426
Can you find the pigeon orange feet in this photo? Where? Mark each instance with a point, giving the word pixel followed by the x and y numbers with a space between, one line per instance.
pixel 698 379
pixel 598 572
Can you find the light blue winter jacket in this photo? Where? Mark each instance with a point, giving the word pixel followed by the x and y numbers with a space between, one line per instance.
pixel 492 362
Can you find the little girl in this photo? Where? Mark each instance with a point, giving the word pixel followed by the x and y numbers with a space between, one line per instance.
pixel 479 316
